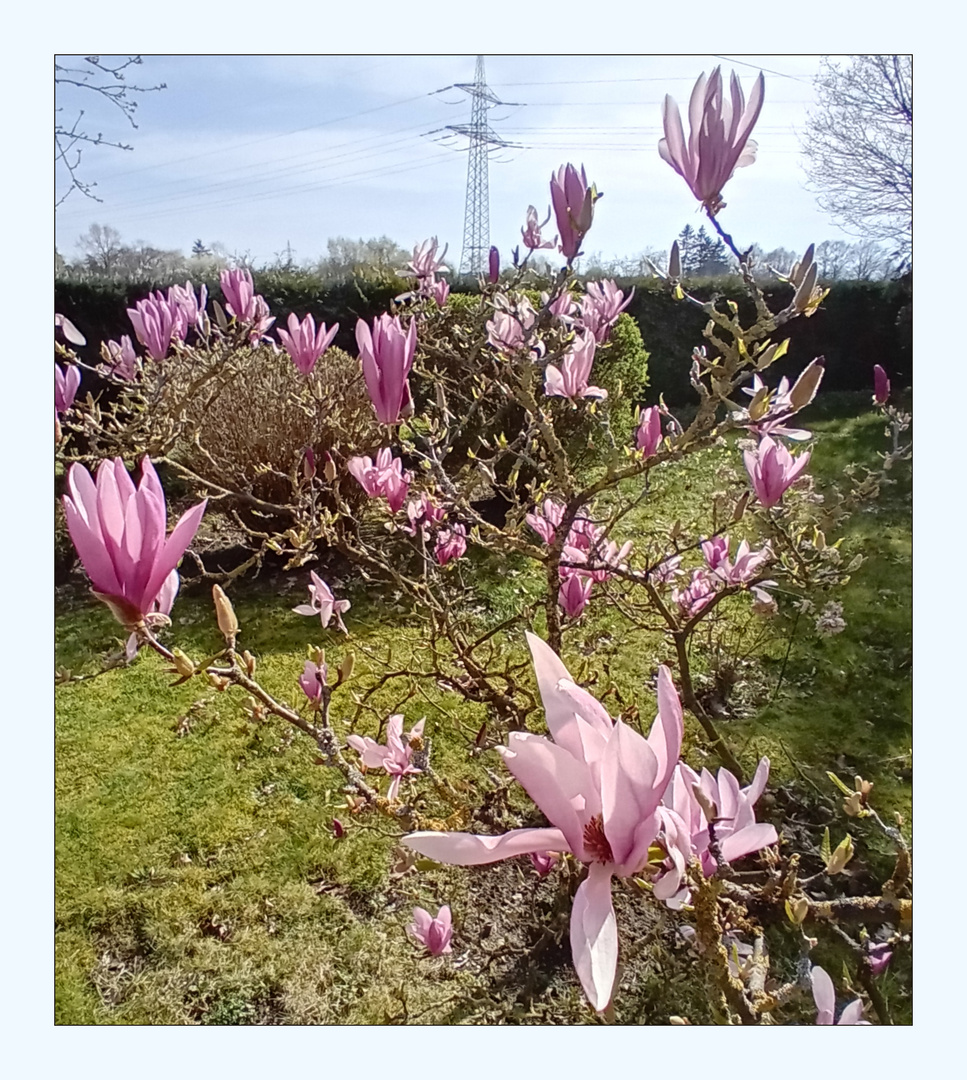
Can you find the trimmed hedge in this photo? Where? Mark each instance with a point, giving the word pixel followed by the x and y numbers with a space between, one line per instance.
pixel 861 323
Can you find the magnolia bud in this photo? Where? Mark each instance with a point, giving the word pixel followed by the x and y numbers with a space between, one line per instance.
pixel 841 856
pixel 709 809
pixel 218 681
pixel 224 612
pixel 807 384
pixel 346 667
pixel 797 910
pixel 309 464
pixel 740 506
pixel 249 662
pixel 853 806
pixel 184 665
pixel 805 291
pixel 675 262
pixel 329 469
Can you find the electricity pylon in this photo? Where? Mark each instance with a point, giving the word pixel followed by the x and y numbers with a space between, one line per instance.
pixel 476 219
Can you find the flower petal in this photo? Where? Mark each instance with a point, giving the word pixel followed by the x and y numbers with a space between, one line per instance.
pixel 594 936
pixel 469 849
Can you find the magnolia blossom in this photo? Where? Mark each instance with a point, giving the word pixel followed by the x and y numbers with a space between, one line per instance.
pixel 573 201
pixel 824 994
pixel 157 324
pixel 313 679
pixel 239 292
pixel 543 861
pixel 563 306
pixel 508 330
pixel 769 410
pixel 574 594
pixel 119 534
pixel 881 386
pixel 192 307
pixel 545 520
pixel 422 512
pixel 66 384
pixel 395 757
pixel 122 360
pixel 879 957
pixel 747 562
pixel 425 262
pixel 323 603
pixel 570 380
pixel 666 572
pixel 438 291
pixel 450 544
pixel 697 595
pixel 69 330
pixel 687 833
pixel 304 343
pixel 531 232
pixel 433 934
pixel 772 469
pixel 601 307
pixel 599 783
pixel 718 141
pixel 384 477
pixel 648 436
pixel 387 354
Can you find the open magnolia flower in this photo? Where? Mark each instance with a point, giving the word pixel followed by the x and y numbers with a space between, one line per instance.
pixel 600 784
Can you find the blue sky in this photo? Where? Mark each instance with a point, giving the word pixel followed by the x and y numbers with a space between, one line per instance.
pixel 259 151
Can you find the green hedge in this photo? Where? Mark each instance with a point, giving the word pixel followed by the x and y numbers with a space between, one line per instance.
pixel 859 324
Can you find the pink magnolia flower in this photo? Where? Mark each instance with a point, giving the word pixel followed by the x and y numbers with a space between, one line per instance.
pixel 563 306
pixel 697 595
pixel 425 262
pixel 156 324
pixel 824 994
pixel 666 572
pixel 648 437
pixel 304 343
pixel 778 406
pixel 601 307
pixel 387 357
pixel 570 380
pixel 439 291
pixel 543 861
pixel 69 330
pixel 158 615
pixel 433 934
pixel 881 385
pixel 531 232
pixel 313 679
pixel 716 551
pixel 239 292
pixel 718 141
pixel 545 520
pixel 574 594
pixel 66 384
pixel 508 330
pixel 422 512
pixel 736 830
pixel 599 783
pixel 772 469
pixel 323 603
pixel 747 563
pixel 395 757
pixel 119 534
pixel 191 306
pixel 384 477
pixel 573 199
pixel 122 359
pixel 879 957
pixel 450 544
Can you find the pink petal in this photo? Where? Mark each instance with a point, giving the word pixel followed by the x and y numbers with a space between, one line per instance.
pixel 628 795
pixel 594 936
pixel 745 841
pixel 468 849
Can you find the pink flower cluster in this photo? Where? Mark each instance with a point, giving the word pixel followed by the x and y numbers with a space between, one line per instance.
pixel 395 758
pixel 586 556
pixel 719 573
pixel 242 301
pixel 601 306
pixel 509 329
pixel 610 795
pixel 382 478
pixel 159 320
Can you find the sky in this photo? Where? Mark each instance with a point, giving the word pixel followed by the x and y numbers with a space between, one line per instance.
pixel 260 153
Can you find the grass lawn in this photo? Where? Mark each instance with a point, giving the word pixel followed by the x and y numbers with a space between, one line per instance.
pixel 198 875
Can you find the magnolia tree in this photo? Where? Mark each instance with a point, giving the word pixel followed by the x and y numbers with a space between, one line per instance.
pixel 493 403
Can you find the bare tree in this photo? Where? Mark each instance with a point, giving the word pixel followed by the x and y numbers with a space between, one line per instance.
pixel 859 146
pixel 72 84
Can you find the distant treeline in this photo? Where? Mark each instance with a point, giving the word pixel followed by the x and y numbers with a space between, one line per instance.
pixel 861 323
